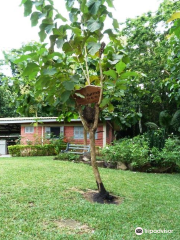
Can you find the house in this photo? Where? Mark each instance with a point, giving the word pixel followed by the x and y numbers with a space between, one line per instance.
pixel 39 130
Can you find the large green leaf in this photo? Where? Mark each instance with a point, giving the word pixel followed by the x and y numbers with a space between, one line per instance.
pixel 59 42
pixel 65 96
pixel 31 68
pixel 39 5
pixel 110 34
pixel 93 47
pixel 68 85
pixel 110 3
pixel 128 74
pixel 49 28
pixel 111 108
pixel 42 35
pixel 76 30
pixel 79 95
pixel 111 73
pixel 69 4
pixel 105 102
pixel 93 6
pixel 67 47
pixel 120 67
pixel 73 15
pixel 59 16
pixel 25 57
pixel 22 2
pixel 28 8
pixel 35 18
pixel 93 25
pixel 49 72
pixel 175 16
pixel 75 78
pixel 115 23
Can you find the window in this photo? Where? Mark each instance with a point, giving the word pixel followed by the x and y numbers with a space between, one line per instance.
pixel 79 133
pixel 54 132
pixel 29 129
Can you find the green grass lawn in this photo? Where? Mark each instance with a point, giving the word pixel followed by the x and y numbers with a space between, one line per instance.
pixel 36 193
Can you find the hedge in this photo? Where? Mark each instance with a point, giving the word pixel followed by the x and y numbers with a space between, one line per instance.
pixel 32 150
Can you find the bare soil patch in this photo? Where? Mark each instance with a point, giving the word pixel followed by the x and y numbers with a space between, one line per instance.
pixel 73 225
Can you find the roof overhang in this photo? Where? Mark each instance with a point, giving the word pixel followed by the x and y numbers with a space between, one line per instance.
pixel 4 121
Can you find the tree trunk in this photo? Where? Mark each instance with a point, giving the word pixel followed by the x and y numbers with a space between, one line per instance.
pixel 103 194
pixel 93 158
pixel 91 127
pixel 140 123
pixel 85 137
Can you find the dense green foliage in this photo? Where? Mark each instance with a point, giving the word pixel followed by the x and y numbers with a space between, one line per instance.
pixel 67 157
pixel 155 54
pixel 7 109
pixel 56 74
pixel 139 154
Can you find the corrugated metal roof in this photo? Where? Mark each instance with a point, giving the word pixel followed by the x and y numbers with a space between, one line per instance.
pixel 34 119
pixel 27 120
pixel 31 119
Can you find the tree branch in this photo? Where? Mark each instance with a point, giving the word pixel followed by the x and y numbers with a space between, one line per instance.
pixel 87 69
pixel 84 122
pixel 101 81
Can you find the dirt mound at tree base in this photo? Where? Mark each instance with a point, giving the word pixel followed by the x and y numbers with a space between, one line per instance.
pixel 94 197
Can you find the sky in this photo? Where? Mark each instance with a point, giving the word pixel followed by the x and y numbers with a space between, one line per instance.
pixel 16 29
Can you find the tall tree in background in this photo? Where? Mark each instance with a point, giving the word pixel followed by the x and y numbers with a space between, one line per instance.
pixel 173 63
pixel 148 49
pixel 26 101
pixel 6 108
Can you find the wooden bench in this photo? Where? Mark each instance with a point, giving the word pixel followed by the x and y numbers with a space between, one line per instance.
pixel 76 148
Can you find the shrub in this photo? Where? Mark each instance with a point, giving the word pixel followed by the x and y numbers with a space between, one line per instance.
pixel 59 144
pixel 136 154
pixel 118 152
pixel 134 151
pixel 15 150
pixel 67 156
pixel 156 138
pixel 32 150
pixel 171 151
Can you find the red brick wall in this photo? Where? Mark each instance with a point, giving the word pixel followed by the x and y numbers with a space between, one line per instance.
pixel 68 134
pixel 32 137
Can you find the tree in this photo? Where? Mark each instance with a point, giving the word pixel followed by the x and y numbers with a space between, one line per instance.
pixel 6 109
pixel 173 61
pixel 84 61
pixel 26 101
pixel 148 49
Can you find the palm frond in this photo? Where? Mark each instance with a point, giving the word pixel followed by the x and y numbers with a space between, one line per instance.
pixel 175 122
pixel 151 125
pixel 164 119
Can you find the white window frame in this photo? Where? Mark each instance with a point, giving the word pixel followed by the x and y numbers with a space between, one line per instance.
pixel 29 129
pixel 80 136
